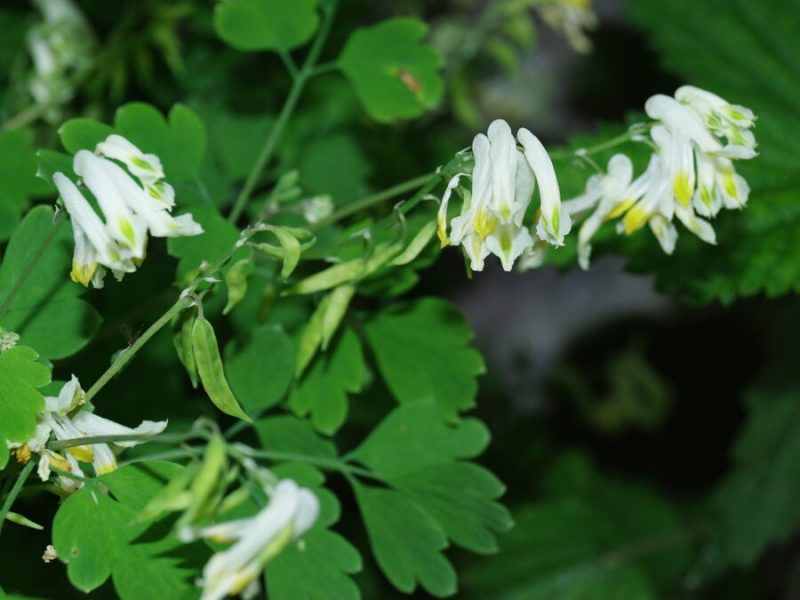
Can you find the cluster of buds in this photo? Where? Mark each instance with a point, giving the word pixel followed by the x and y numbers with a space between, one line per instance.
pixel 134 199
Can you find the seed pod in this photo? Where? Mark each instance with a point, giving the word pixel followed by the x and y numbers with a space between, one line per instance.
pixel 182 339
pixel 209 367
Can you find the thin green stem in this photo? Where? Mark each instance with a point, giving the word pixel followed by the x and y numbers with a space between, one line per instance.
pixel 26 272
pixel 12 495
pixel 271 143
pixel 126 355
pixel 164 438
pixel 289 63
pixel 329 464
pixel 622 138
pixel 373 199
pixel 23 118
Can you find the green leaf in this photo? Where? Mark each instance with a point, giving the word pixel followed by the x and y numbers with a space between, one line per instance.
pixel 261 371
pixel 98 537
pixel 316 567
pixel 179 141
pixel 278 25
pixel 423 353
pixel 758 503
pixel 324 389
pixel 407 543
pixel 394 75
pixel 18 174
pixel 291 435
pixel 414 437
pixel 217 238
pixel 47 312
pixel 592 537
pixel 83 134
pixel 20 401
pixel 336 166
pixel 739 50
pixel 559 549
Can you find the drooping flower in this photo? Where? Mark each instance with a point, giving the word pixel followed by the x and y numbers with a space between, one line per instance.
pixel 493 211
pixel 291 511
pixel 65 418
pixel 697 136
pixel 133 203
pixel 573 17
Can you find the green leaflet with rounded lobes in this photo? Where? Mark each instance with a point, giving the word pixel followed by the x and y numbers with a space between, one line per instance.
pixel 209 367
pixel 18 174
pixel 278 25
pixel 261 370
pixel 394 75
pixel 236 281
pixel 20 400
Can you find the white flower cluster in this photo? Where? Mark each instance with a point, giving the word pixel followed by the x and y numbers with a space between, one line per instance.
pixel 55 421
pixel 291 511
pixel 133 200
pixel 60 48
pixel 697 136
pixel 503 182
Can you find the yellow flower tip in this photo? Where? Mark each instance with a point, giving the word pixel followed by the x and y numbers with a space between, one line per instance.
pixel 485 223
pixel 82 453
pixel 705 196
pixel 104 469
pixel 83 273
pixel 635 219
pixel 682 189
pixel 619 210
pixel 22 454
pixel 555 221
pixel 241 582
pixel 441 232
pixel 58 461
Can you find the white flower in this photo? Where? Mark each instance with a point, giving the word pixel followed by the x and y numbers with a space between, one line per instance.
pixel 291 511
pixel 503 181
pixel 572 17
pixel 147 167
pixel 64 418
pixel 689 177
pixel 132 204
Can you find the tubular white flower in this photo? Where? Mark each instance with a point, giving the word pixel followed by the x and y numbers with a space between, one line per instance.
pixel 290 513
pixel 725 120
pixel 125 227
pixel 93 244
pixel 147 167
pixel 131 205
pixel 608 192
pixel 94 425
pixel 552 225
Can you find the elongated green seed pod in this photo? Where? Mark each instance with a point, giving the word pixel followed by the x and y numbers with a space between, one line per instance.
pixel 209 367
